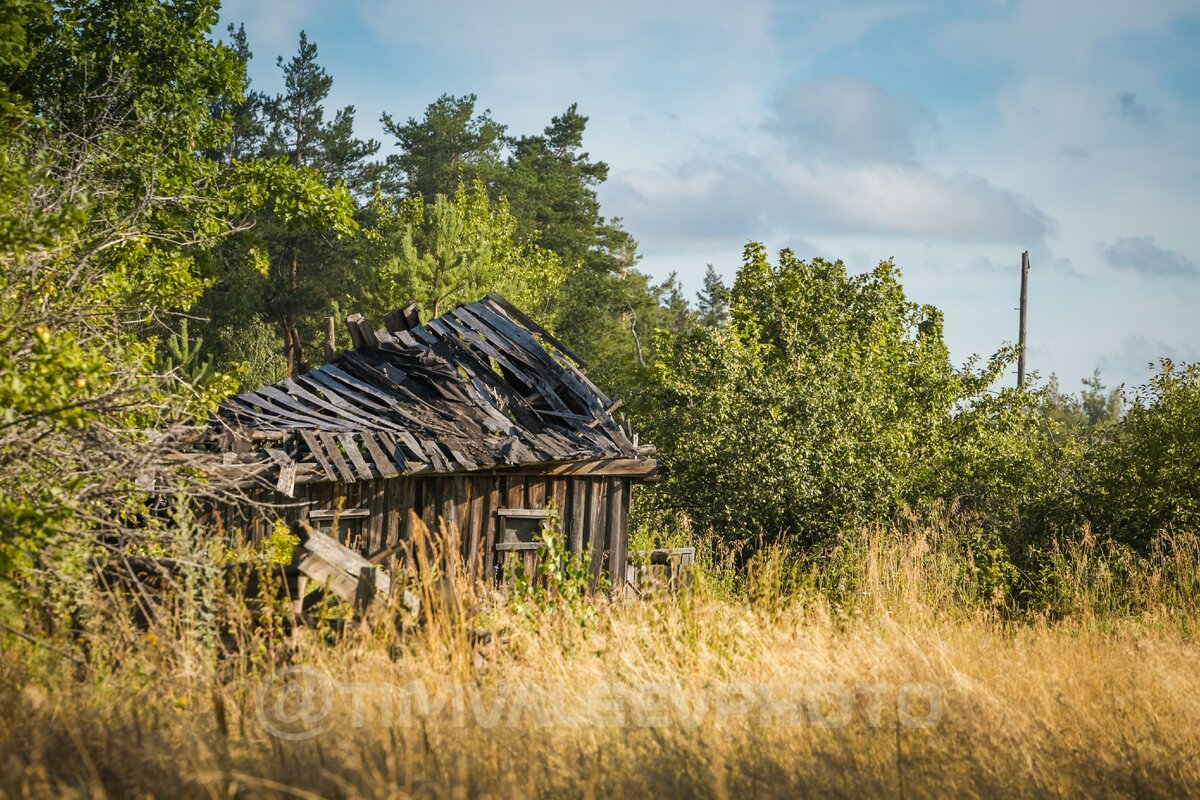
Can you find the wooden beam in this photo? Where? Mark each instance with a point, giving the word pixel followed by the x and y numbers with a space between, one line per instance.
pixel 329 513
pixel 286 483
pixel 361 333
pixel 531 513
pixel 533 327
pixel 327 561
pixel 642 469
pixel 517 546
pixel 628 467
pixel 402 319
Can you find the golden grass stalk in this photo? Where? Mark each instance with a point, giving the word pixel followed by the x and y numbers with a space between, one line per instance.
pixel 903 691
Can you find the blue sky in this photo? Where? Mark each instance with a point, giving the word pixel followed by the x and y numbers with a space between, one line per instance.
pixel 949 136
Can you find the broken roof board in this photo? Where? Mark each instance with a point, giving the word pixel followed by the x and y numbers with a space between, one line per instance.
pixel 479 387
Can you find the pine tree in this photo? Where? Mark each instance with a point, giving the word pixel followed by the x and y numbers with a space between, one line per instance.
pixel 551 183
pixel 297 129
pixel 293 260
pixel 450 146
pixel 713 301
pixel 243 111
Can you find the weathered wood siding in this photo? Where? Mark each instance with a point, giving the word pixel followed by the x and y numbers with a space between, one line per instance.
pixel 375 517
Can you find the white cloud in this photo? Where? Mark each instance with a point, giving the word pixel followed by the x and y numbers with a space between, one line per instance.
pixel 540 46
pixel 1140 254
pixel 838 158
pixel 722 123
pixel 845 117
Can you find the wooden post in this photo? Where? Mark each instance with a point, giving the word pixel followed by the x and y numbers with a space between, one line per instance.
pixel 1021 331
pixel 366 588
pixel 298 600
pixel 330 333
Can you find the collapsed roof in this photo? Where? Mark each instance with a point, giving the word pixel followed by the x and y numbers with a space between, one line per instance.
pixel 479 387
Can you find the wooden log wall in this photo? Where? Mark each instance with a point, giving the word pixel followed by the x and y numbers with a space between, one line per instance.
pixel 375 517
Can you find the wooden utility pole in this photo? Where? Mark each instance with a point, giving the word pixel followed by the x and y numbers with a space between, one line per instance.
pixel 1024 307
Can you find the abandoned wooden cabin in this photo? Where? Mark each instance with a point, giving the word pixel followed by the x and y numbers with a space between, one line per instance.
pixel 478 422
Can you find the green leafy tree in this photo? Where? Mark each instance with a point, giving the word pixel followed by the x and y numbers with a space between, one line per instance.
pixel 1095 406
pixel 551 183
pixel 252 349
pixel 242 111
pixel 290 262
pixel 110 212
pixel 458 249
pixel 1144 475
pixel 820 406
pixel 712 303
pixel 449 146
pixel 1001 460
pixel 297 129
pixel 608 310
pixel 184 356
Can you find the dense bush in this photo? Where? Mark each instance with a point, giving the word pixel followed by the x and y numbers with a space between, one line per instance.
pixel 825 402
pixel 1143 475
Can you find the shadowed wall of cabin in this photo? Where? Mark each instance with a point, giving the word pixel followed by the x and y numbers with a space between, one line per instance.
pixel 375 516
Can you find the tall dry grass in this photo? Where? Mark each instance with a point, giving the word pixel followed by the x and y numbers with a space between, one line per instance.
pixel 896 685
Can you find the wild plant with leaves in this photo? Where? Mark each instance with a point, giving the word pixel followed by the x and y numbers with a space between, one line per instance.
pixel 819 406
pixel 112 213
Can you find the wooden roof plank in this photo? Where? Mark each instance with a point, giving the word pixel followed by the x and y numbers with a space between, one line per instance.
pixel 318 451
pixel 529 323
pixel 413 445
pixel 297 418
pixel 424 335
pixel 440 392
pixel 512 335
pixel 435 455
pixel 480 341
pixel 242 412
pixel 463 459
pixel 525 338
pixel 357 383
pixel 329 386
pixel 395 452
pixel 350 446
pixel 296 406
pixel 383 463
pixel 335 456
pixel 536 382
pixel 340 407
pixel 365 365
pixel 483 319
pixel 393 404
pixel 591 396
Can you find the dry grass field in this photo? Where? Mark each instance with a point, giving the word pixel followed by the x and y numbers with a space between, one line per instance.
pixel 900 690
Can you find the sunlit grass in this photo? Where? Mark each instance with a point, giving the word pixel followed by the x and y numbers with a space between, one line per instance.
pixel 899 689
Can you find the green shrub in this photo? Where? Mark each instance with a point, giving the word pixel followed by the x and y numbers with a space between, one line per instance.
pixel 825 404
pixel 1143 475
